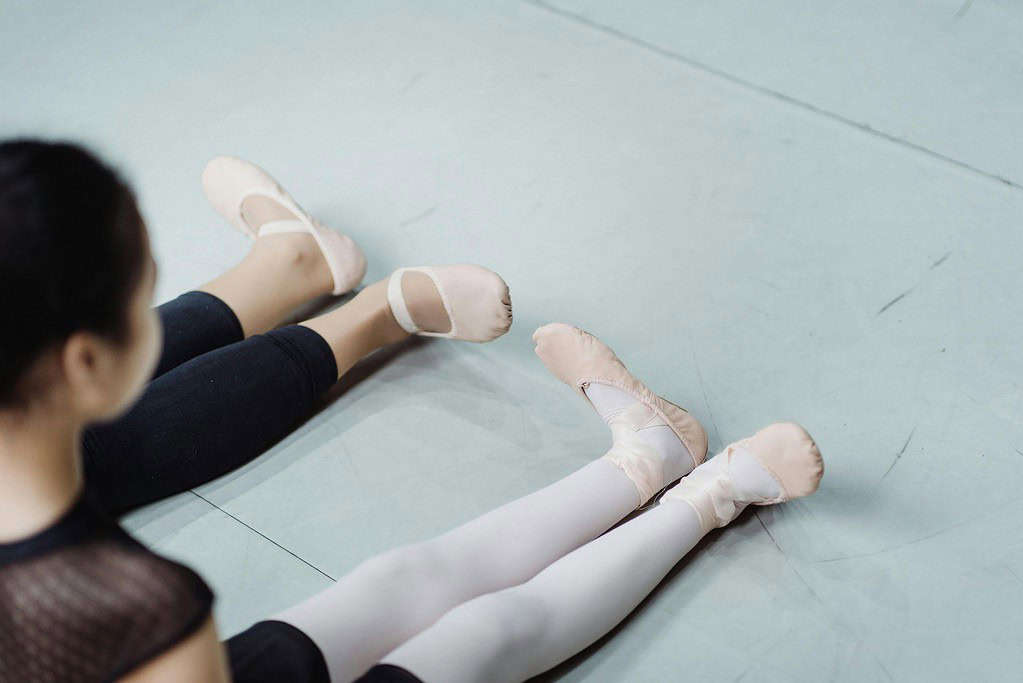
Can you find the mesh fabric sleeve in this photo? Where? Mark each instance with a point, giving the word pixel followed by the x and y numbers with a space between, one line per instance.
pixel 94 611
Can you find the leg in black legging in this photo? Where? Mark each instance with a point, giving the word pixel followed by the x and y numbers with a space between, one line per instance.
pixel 221 409
pixel 208 416
pixel 194 323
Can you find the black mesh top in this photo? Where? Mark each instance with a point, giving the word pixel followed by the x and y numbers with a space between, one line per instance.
pixel 84 601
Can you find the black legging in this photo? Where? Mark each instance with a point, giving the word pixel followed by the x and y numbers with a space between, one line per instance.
pixel 215 402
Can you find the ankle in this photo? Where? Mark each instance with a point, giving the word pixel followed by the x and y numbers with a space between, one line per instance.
pixel 645 449
pixel 725 485
pixel 710 491
pixel 644 446
pixel 382 321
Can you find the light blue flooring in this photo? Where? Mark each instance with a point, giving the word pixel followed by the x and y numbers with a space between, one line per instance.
pixel 772 210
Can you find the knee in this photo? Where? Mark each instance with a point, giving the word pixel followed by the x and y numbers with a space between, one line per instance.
pixel 396 564
pixel 513 621
pixel 413 563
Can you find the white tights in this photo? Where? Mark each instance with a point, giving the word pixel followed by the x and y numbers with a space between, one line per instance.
pixel 390 598
pixel 519 632
pixel 512 593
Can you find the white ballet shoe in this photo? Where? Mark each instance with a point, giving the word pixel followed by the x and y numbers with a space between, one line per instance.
pixel 476 300
pixel 579 359
pixel 228 181
pixel 787 455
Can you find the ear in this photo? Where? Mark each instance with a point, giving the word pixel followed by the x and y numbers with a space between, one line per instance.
pixel 85 362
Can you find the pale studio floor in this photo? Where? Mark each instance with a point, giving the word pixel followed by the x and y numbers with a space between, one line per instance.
pixel 772 210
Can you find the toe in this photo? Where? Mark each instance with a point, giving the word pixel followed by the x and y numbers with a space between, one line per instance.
pixel 500 297
pixel 789 451
pixel 222 171
pixel 552 331
pixel 505 313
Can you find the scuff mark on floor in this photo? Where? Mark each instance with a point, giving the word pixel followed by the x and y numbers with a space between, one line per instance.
pixel 899 546
pixel 412 81
pixel 703 388
pixel 768 283
pixel 940 261
pixel 909 291
pixel 961 12
pixel 1014 574
pixel 769 534
pixel 899 454
pixel 418 216
pixel 742 675
pixel 788 563
pixel 894 301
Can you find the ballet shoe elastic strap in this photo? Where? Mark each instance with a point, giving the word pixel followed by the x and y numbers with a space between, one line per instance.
pixel 396 299
pixel 640 461
pixel 283 226
pixel 709 491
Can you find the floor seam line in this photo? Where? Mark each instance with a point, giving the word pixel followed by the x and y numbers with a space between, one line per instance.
pixel 262 535
pixel 768 92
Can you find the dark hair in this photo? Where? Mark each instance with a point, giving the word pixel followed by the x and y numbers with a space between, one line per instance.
pixel 72 251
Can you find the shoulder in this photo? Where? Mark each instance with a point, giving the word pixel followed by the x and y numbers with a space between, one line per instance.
pixel 105 596
pixel 148 587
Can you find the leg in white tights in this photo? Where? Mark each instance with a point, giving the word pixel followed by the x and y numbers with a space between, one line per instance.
pixel 525 630
pixel 394 596
pixel 522 631
pixel 391 597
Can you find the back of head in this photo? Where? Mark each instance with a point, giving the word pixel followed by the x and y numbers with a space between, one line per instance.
pixel 72 250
